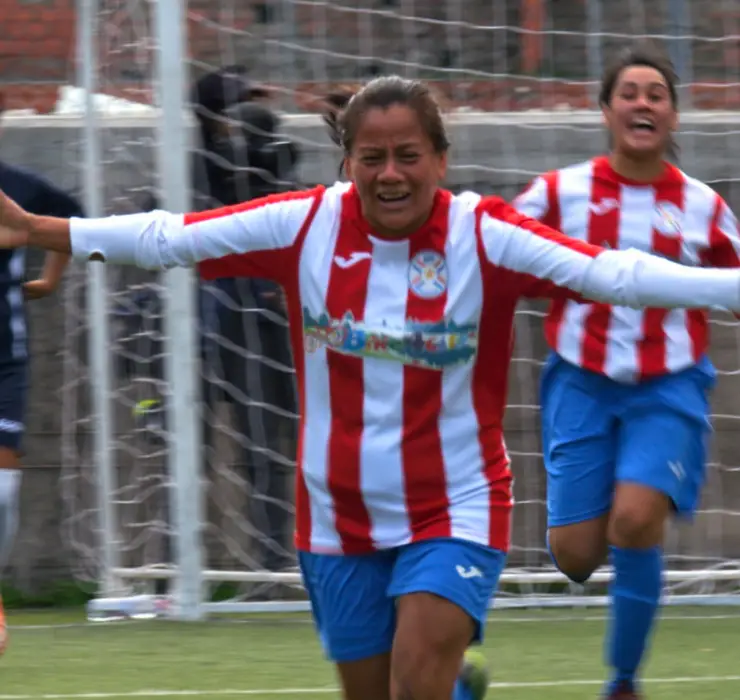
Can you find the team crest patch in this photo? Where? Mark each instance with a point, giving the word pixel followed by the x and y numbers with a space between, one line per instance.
pixel 428 274
pixel 667 218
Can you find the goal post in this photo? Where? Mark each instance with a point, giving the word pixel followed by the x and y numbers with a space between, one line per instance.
pixel 170 511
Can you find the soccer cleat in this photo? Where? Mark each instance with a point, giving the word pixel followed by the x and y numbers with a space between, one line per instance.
pixel 623 691
pixel 474 674
pixel 3 629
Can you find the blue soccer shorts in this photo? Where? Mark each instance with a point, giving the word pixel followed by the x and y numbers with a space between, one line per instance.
pixel 13 390
pixel 353 597
pixel 597 432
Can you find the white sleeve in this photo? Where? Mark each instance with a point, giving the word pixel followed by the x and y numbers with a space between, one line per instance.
pixel 622 278
pixel 535 200
pixel 160 240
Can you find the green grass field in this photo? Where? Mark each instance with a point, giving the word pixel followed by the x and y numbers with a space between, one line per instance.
pixel 535 655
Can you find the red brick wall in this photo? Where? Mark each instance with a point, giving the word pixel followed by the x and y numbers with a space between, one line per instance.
pixel 37 47
pixel 36 44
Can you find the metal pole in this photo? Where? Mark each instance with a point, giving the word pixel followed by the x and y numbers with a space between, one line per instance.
pixel 97 307
pixel 181 317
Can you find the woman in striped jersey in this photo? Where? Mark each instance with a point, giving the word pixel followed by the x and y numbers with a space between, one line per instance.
pixel 401 298
pixel 625 411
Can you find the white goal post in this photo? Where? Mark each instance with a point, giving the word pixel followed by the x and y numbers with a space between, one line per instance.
pixel 160 510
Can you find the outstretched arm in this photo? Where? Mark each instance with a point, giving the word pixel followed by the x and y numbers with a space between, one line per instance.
pixel 248 239
pixel 542 257
pixel 51 201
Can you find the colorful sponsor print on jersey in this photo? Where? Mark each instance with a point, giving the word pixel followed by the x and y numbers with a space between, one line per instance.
pixel 431 345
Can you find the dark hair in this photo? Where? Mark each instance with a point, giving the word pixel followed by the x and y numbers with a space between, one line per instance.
pixel 346 110
pixel 641 54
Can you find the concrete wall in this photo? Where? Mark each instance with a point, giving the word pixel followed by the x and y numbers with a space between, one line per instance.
pixel 58 528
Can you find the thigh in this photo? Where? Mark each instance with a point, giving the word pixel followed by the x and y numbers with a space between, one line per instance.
pixel 663 439
pixel 463 573
pixel 579 436
pixel 13 394
pixel 354 615
pixel 443 588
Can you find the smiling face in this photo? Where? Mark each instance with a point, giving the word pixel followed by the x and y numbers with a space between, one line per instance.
pixel 395 168
pixel 641 114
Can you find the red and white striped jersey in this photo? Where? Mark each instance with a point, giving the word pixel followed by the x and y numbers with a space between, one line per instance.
pixel 401 346
pixel 676 217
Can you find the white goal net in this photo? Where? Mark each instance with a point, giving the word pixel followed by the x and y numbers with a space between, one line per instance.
pixel 518 81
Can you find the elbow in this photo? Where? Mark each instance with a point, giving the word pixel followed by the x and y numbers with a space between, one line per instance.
pixel 610 278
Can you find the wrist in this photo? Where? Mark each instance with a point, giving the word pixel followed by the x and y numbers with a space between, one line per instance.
pixel 31 226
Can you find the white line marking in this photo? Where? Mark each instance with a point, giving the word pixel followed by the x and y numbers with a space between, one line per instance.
pixel 494 620
pixel 236 692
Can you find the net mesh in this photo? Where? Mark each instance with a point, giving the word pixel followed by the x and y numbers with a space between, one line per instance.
pixel 515 78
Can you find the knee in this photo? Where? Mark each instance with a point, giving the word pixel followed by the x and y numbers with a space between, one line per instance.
pixel 431 637
pixel 632 526
pixel 577 555
pixel 638 517
pixel 421 672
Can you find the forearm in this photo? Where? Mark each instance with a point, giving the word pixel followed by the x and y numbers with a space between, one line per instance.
pixel 54 266
pixel 148 240
pixel 637 279
pixel 50 233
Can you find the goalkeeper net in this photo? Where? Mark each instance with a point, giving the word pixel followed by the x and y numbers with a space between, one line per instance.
pixel 518 80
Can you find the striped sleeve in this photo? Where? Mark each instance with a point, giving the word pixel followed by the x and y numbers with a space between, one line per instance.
pixel 536 253
pixel 724 237
pixel 540 200
pixel 253 239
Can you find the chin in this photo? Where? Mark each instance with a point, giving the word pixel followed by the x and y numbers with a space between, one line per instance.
pixel 397 225
pixel 643 150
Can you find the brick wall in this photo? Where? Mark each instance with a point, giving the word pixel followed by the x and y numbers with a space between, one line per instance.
pixel 300 47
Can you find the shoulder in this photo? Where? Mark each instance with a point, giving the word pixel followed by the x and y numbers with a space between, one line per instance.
pixel 695 189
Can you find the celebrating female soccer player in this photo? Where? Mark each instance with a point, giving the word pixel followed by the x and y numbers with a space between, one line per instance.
pixel 625 414
pixel 401 298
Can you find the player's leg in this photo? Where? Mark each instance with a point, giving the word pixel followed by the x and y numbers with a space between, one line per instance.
pixel 442 588
pixel 355 617
pixel 660 470
pixel 579 445
pixel 13 381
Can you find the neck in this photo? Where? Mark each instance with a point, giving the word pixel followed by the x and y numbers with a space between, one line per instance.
pixel 639 170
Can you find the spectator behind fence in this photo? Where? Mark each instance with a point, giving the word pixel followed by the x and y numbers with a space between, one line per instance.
pixel 246 345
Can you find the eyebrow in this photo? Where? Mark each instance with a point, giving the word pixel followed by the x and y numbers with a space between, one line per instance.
pixel 632 83
pixel 400 146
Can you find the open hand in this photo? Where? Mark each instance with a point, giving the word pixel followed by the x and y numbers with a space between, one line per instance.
pixel 38 289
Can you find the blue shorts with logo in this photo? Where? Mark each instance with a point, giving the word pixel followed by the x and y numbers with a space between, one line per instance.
pixel 597 432
pixel 13 391
pixel 353 597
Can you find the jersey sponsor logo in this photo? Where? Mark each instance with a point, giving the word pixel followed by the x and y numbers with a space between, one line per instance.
pixel 428 274
pixel 351 260
pixel 422 344
pixel 667 219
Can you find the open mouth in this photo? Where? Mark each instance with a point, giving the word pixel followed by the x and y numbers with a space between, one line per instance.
pixel 642 126
pixel 394 198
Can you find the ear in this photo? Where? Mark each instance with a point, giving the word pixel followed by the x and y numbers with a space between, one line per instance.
pixel 606 116
pixel 347 162
pixel 442 167
pixel 675 122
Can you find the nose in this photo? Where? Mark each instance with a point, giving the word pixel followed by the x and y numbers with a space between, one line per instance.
pixel 390 171
pixel 643 101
